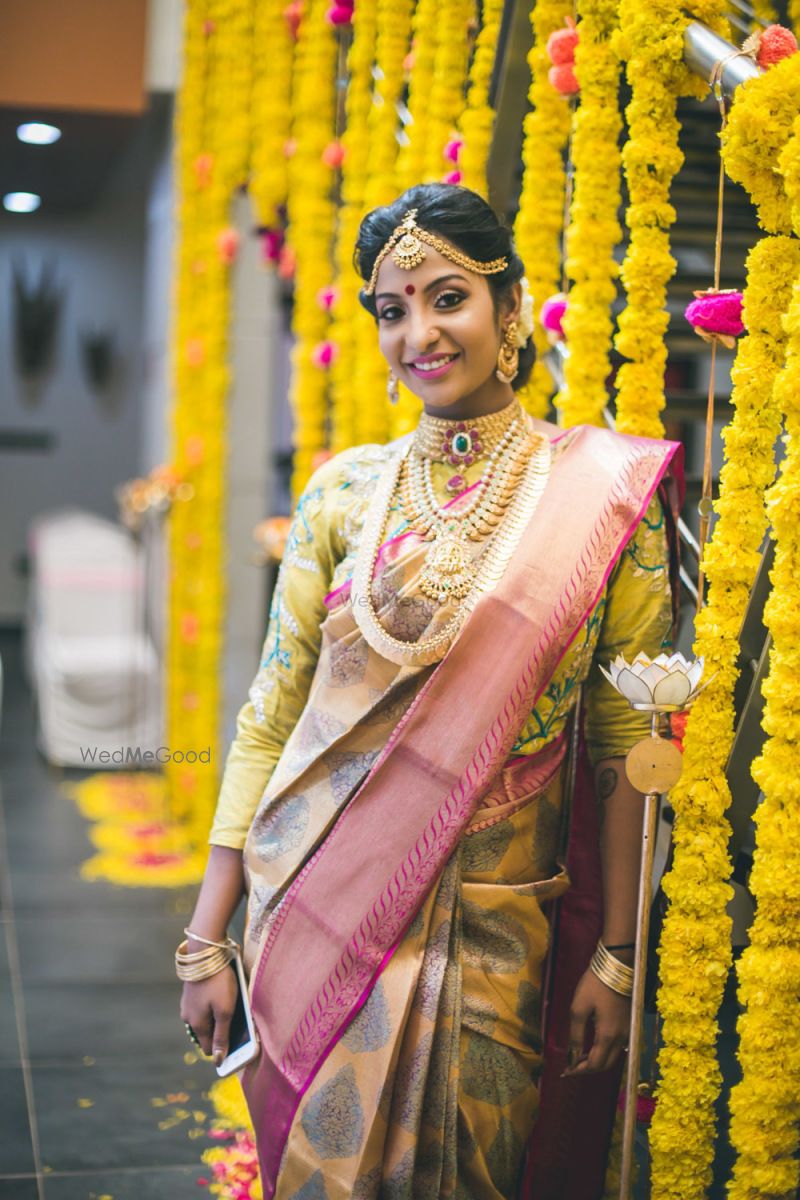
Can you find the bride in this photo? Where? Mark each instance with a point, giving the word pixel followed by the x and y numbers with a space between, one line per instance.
pixel 395 801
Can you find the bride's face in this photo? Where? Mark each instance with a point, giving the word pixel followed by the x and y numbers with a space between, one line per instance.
pixel 440 334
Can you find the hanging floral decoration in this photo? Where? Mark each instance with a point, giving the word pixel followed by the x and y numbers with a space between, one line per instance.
pixel 593 230
pixel 372 416
pixel 343 301
pixel 539 223
pixel 412 156
pixel 762 116
pixel 454 24
pixel 477 119
pixel 695 943
pixel 695 950
pixel 715 314
pixel 561 48
pixel 212 154
pixel 765 1105
pixel 273 51
pixel 312 216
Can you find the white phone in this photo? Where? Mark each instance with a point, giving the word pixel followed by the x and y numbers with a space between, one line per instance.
pixel 243 1045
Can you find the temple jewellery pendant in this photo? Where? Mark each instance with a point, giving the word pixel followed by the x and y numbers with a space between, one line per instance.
pixel 447 573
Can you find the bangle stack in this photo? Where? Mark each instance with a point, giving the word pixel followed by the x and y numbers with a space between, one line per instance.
pixel 202 964
pixel 610 971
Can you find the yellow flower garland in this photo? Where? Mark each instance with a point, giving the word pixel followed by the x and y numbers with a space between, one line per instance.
pixel 347 310
pixel 212 148
pixel 765 1106
pixel 757 129
pixel 477 120
pixel 540 219
pixel 695 943
pixel 446 101
pixel 273 52
pixel 312 214
pixel 373 416
pixel 411 159
pixel 650 39
pixel 593 229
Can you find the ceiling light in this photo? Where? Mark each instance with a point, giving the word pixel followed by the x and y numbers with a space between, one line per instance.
pixel 21 201
pixel 37 133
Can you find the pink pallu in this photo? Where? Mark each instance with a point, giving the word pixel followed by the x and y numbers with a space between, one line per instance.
pixel 350 905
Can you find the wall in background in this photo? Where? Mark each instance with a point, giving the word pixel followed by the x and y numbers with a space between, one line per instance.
pixel 96 435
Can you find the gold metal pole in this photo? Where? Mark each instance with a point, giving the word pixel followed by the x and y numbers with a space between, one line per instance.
pixel 649 830
pixel 653 766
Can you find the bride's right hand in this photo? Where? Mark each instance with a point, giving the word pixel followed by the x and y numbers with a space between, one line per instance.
pixel 208 1007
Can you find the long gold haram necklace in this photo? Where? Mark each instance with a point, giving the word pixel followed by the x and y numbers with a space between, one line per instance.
pixel 491 565
pixel 448 572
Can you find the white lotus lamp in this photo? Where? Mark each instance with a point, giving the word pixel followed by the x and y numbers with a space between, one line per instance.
pixel 666 683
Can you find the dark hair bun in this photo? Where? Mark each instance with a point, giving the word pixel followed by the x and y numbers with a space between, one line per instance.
pixel 461 217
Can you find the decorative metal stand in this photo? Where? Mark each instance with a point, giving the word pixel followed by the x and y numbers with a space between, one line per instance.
pixel 663 685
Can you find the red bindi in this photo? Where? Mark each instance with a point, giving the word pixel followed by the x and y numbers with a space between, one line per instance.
pixel 410 289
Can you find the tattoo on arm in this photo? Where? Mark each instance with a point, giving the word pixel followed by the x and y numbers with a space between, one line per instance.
pixel 606 782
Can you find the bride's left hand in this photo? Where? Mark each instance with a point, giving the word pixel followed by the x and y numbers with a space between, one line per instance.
pixel 611 1014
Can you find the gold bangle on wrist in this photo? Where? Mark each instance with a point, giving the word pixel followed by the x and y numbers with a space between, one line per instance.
pixel 610 971
pixel 202 964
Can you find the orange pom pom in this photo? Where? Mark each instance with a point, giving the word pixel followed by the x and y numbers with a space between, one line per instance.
pixel 776 43
pixel 561 44
pixel 564 79
pixel 333 155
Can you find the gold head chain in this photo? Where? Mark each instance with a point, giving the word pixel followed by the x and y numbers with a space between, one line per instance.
pixel 407 250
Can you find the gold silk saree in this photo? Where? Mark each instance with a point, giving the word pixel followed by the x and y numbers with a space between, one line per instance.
pixel 404 852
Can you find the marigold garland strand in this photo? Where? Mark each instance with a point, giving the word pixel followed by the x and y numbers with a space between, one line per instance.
pixel 757 129
pixel 273 51
pixel 347 310
pixel 411 159
pixel 477 120
pixel 765 1105
pixel 593 229
pixel 373 416
pixel 312 215
pixel 539 224
pixel 212 149
pixel 447 98
pixel 695 943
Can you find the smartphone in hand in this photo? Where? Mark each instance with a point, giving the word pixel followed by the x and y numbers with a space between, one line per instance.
pixel 243 1045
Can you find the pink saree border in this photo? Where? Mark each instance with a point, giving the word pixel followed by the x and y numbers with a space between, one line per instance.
pixel 371 946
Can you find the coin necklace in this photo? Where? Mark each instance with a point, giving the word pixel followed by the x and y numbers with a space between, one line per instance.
pixel 448 570
pixel 485 575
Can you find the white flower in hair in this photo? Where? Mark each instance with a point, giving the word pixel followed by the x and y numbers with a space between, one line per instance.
pixel 525 320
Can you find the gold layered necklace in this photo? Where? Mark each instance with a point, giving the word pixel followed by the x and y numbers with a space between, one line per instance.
pixel 512 483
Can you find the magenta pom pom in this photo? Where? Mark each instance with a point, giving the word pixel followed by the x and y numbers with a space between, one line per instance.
pixel 271 245
pixel 324 354
pixel 552 314
pixel 717 312
pixel 453 149
pixel 327 297
pixel 340 14
pixel 453 177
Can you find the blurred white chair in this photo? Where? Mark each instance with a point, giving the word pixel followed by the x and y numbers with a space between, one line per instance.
pixel 90 657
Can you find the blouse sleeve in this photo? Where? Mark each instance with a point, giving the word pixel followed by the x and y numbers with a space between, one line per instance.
pixel 638 616
pixel 289 656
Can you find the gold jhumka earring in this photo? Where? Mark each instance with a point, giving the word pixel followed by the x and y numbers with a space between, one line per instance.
pixel 392 388
pixel 508 358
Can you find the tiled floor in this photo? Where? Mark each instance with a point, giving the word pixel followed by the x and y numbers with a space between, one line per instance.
pixel 89 1027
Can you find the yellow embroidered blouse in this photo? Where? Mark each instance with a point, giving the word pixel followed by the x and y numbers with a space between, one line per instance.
pixel 633 613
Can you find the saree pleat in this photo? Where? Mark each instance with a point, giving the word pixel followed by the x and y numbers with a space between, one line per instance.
pixel 432 1091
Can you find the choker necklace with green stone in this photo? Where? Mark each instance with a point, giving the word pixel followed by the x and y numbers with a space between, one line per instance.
pixel 461 443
